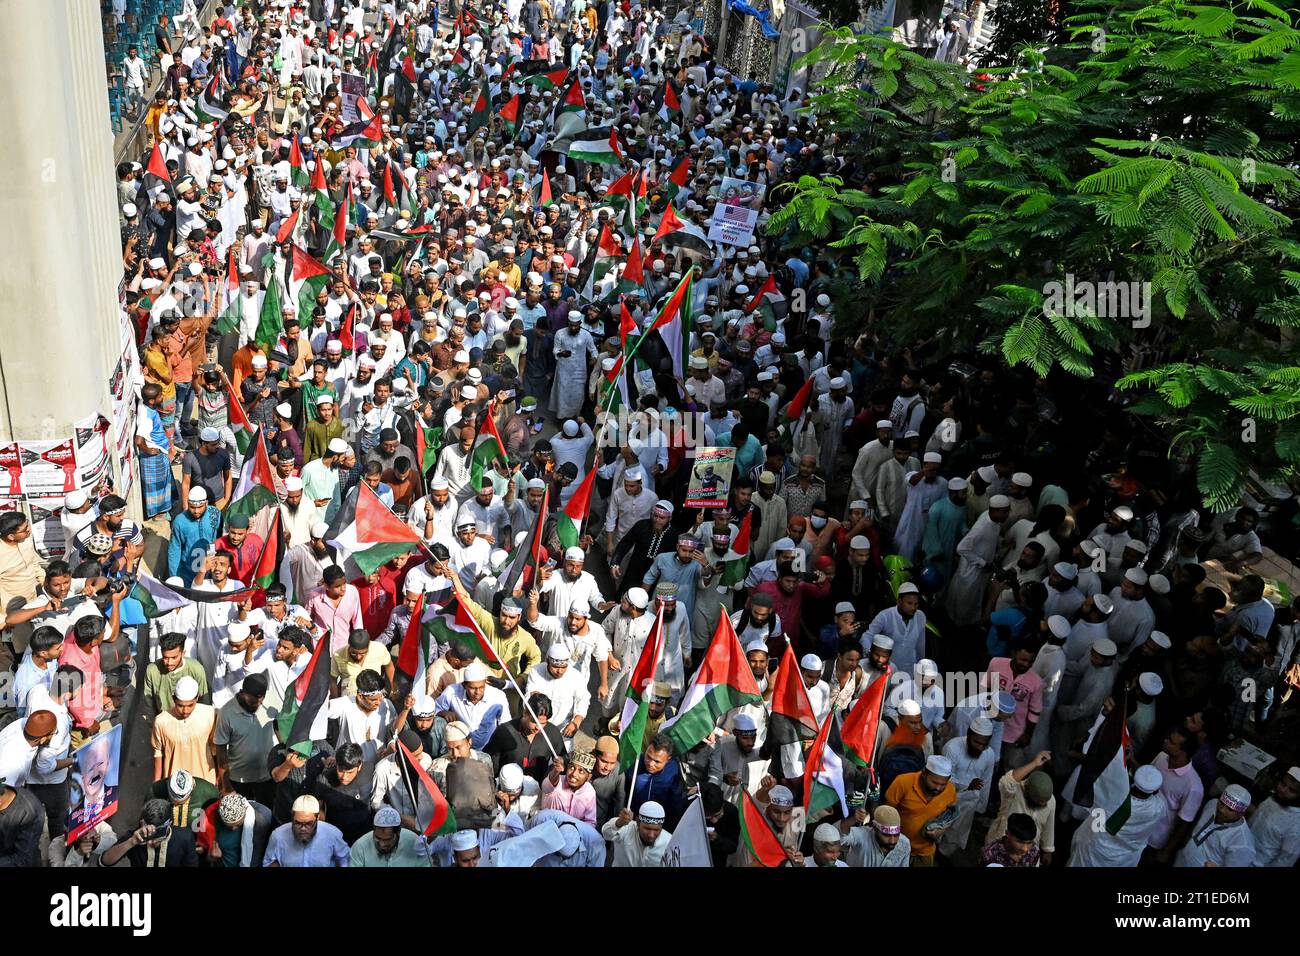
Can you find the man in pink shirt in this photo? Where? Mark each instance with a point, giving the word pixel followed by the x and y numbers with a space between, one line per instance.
pixel 336 607
pixel 568 789
pixel 1182 792
pixel 1013 675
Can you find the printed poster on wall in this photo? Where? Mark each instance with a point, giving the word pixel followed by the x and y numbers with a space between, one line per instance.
pixel 711 477
pixel 49 467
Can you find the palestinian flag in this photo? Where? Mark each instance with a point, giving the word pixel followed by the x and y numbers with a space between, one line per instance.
pixel 722 683
pixel 636 708
pixel 1101 779
pixel 736 561
pixel 598 263
pixel 633 277
pixel 239 423
pixel 210 106
pixel 270 323
pixel 307 277
pixel 255 490
pixel 570 114
pixel 414 654
pixel 346 338
pixel 544 196
pixel 758 835
pixel 792 720
pixel 510 114
pixel 338 241
pixel 671 104
pixel 529 551
pixel 669 223
pixel 823 774
pixel 370 533
pixel 617 388
pixel 675 321
pixel 303 716
pixel 285 232
pixel 490 449
pixel 590 145
pixel 762 303
pixel 568 523
pixel 155 597
pixel 482 110
pixel 459 65
pixel 456 624
pixel 858 732
pixel 321 198
pixel 232 309
pixel 433 814
pixel 690 240
pixel 157 166
pixel 548 81
pixel 366 133
pixel 298 174
pixel 267 572
pixel 678 177
pixel 390 193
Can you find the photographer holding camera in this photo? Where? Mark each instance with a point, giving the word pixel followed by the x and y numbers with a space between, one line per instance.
pixel 154 843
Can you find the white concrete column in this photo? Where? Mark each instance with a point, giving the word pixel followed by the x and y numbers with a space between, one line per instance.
pixel 60 253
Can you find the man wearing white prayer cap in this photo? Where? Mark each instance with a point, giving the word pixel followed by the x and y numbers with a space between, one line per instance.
pixel 873 454
pixel 1098 846
pixel 1220 835
pixel 565 685
pixel 976 553
pixel 1276 824
pixel 640 840
pixel 307 840
pixel 926 803
pixel 389 844
pixel 481 707
pixel 922 493
pixel 827 847
pixel 973 762
pixel 570 584
pixel 1132 620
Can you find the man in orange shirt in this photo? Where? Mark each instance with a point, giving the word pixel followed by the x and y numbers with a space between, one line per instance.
pixel 920 799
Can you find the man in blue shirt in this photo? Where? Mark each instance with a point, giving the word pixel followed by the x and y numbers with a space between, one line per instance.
pixel 194 531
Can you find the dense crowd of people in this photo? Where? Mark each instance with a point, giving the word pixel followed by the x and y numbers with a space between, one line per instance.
pixel 1024 574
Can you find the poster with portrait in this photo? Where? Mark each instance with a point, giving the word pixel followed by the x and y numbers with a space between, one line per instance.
pixel 711 478
pixel 352 86
pixel 94 782
pixel 742 194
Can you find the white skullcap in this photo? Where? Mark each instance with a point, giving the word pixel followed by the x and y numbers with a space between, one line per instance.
pixel 1059 626
pixel 958 484
pixel 570 428
pixel 860 542
pixel 884 423
pixel 197 494
pixel 634 474
pixel 1123 513
pixel 284 410
pixel 187 688
pixel 1137 576
pixel 1022 479
pixel 810 662
pixel 999 501
pixel 387 816
pixel 575 554
pixel 785 544
pixel 462 840
pixel 939 765
pixel 908 587
pixel 837 382
pixel 1103 603
pixel 557 652
pixel 338 446
pixel 652 812
pixel 932 458
pixel 883 641
pixel 1160 639
pixel 320 529
pixel 926 668
pixel 780 796
pixel 293 483
pixel 238 631
pixel 475 672
pixel 1151 683
pixel 981 725
pixel 1066 570
pixel 1158 583
pixel 638 598
pixel 1148 779
pixel 826 835
pixel 1105 647
pixel 306 804
pixel 74 499
pixel 909 708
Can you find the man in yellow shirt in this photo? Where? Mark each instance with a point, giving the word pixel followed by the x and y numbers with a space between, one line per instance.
pixel 506 265
pixel 361 654
pixel 920 799
pixel 510 642
pixel 21 573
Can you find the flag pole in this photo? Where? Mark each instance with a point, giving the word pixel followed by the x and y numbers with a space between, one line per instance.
pixel 636 769
pixel 532 713
pixel 415 799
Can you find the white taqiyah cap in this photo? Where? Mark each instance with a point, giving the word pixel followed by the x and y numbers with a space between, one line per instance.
pixel 638 598
pixel 1103 603
pixel 958 484
pixel 74 499
pixel 932 458
pixel 198 493
pixel 1136 576
pixel 475 672
pixel 743 724
pixel 338 446
pixel 810 662
pixel 1059 626
pixel 463 840
pixel 981 725
pixel 1105 647
pixel 284 410
pixel 884 423
pixel 1148 779
pixel 999 501
pixel 1160 639
pixel 939 765
pixel 187 688
pixel 1022 479
pixel 860 542
pixel 1151 683
pixel 909 708
pixel 557 652
pixel 293 483
pixel 907 587
pixel 1158 584
pixel 320 529
pixel 883 641
pixel 575 554
pixel 1066 570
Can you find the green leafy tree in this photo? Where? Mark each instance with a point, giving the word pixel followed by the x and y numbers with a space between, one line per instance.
pixel 1156 146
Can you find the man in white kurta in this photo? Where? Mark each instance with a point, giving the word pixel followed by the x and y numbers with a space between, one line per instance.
pixel 874 454
pixel 973 761
pixel 564 685
pixel 976 553
pixel 572 585
pixel 1276 824
pixel 924 488
pixel 905 623
pixel 574 349
pixel 1095 845
pixel 639 842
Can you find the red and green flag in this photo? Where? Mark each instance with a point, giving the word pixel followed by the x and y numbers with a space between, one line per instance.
pixel 670 223
pixel 298 174
pixel 823 773
pixel 254 491
pixel 760 839
pixel 489 450
pixel 304 716
pixel 433 814
pixel 232 304
pixel 675 321
pixel 321 197
pixel 482 109
pixel 455 623
pixel 671 104
pixel 568 523
pixel 510 114
pixel 636 708
pixel 413 656
pixel 736 561
pixel 307 276
pixel 762 303
pixel 544 196
pixel 792 720
pixel 722 683
pixel 862 722
pixel 239 423
pixel 270 323
pixel 371 535
pixel 548 81
pixel 528 552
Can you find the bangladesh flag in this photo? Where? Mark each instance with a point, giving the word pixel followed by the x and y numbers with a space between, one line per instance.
pixel 568 523
pixel 722 683
pixel 433 813
pixel 306 279
pixel 490 449
pixel 862 721
pixel 255 489
pixel 304 716
pixel 736 560
pixel 636 708
pixel 823 774
pixel 298 174
pixel 548 81
pixel 760 839
pixel 232 309
pixel 155 597
pixel 792 720
pixel 370 533
pixel 510 114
